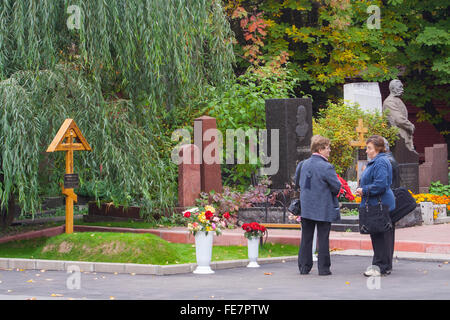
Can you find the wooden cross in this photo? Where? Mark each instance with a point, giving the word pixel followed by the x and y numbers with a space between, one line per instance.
pixel 64 141
pixel 361 143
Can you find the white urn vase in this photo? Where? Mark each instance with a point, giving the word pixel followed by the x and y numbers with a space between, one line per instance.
pixel 203 251
pixel 253 250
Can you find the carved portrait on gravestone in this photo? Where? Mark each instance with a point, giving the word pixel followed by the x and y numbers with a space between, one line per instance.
pixel 302 126
pixel 398 114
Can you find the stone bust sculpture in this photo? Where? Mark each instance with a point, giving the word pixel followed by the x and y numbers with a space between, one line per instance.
pixel 398 114
pixel 302 126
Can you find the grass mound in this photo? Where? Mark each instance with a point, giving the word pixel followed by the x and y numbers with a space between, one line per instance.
pixel 95 247
pixel 141 248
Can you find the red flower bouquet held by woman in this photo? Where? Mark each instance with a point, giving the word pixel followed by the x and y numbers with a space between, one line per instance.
pixel 345 191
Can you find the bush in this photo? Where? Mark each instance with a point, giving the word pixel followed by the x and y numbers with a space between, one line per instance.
pixel 242 105
pixel 338 121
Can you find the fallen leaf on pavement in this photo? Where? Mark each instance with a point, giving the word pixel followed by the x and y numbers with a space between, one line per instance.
pixel 31 280
pixel 347 283
pixel 112 298
pixel 268 273
pixel 56 295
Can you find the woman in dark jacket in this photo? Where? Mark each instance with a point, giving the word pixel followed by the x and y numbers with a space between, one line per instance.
pixel 375 183
pixel 319 187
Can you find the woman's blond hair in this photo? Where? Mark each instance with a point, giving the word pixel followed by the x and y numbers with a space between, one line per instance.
pixel 318 143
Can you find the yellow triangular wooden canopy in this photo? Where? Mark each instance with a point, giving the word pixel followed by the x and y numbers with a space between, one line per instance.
pixel 69 130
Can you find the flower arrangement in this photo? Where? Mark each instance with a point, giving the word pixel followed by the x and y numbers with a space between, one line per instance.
pixel 345 193
pixel 428 197
pixel 434 198
pixel 205 219
pixel 253 230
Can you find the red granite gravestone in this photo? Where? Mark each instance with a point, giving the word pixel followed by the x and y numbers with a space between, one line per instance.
pixel 188 176
pixel 435 167
pixel 210 172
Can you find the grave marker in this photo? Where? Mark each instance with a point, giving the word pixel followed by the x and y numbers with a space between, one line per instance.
pixel 69 138
pixel 361 143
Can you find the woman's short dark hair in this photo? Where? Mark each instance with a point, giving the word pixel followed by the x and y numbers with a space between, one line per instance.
pixel 318 143
pixel 378 143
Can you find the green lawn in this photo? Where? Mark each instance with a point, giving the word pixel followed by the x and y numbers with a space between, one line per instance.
pixel 126 248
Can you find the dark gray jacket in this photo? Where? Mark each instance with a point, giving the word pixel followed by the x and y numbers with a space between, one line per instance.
pixel 319 187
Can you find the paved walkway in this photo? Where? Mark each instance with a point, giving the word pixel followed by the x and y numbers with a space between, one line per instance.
pixel 409 280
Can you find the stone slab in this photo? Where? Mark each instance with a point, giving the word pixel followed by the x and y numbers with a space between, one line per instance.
pixel 366 94
pixel 22 264
pixel 4 263
pixel 189 181
pixel 84 266
pixel 293 119
pixel 109 267
pixel 58 265
pixel 142 268
pixel 210 173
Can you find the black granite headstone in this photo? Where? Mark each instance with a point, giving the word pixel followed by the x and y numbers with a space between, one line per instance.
pixel 293 118
pixel 408 162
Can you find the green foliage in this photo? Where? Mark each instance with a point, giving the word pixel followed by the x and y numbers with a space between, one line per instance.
pixel 329 42
pixel 130 69
pixel 338 121
pixel 127 248
pixel 241 105
pixel 439 189
pixel 162 51
pixel 123 165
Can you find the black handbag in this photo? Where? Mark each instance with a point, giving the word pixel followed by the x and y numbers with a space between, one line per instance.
pixel 374 219
pixel 404 204
pixel 295 207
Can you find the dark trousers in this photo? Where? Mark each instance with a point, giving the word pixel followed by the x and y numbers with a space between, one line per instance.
pixel 305 262
pixel 383 250
pixel 390 242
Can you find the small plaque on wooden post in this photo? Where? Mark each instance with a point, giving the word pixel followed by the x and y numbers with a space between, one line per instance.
pixel 71 181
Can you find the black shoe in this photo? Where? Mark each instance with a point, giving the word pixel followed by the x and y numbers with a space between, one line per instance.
pixel 386 273
pixel 327 273
pixel 304 271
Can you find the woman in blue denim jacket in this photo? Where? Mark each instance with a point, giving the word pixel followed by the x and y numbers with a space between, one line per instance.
pixel 375 183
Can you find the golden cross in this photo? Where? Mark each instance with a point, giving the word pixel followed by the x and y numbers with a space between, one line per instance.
pixel 68 131
pixel 361 143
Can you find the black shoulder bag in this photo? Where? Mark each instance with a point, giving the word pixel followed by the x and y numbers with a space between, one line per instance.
pixel 295 207
pixel 404 204
pixel 374 219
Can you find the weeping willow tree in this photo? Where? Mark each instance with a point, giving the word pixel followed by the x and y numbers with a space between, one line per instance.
pixel 117 75
pixel 160 50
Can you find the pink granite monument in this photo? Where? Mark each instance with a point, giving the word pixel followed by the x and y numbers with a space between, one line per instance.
pixel 208 144
pixel 435 167
pixel 189 185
